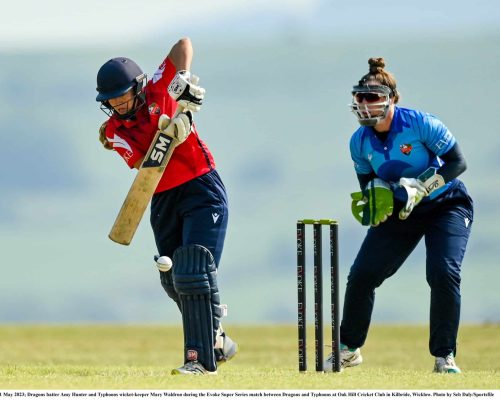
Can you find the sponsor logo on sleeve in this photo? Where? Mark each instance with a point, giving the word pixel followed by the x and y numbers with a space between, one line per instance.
pixel 444 141
pixel 158 73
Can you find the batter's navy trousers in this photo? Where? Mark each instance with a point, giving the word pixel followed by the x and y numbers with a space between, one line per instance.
pixel 195 212
pixel 445 223
pixel 192 213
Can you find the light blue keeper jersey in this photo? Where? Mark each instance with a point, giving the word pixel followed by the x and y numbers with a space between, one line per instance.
pixel 414 143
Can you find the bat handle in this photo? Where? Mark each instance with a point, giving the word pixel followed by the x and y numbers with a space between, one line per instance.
pixel 163 122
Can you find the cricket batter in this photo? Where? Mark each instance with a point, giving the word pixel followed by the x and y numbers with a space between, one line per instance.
pixel 407 163
pixel 189 211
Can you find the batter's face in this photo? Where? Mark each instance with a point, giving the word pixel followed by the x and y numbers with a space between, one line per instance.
pixel 124 103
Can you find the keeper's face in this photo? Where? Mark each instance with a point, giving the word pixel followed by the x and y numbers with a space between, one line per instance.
pixel 124 103
pixel 371 103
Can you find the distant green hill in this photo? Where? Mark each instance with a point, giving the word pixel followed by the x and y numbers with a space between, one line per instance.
pixel 277 121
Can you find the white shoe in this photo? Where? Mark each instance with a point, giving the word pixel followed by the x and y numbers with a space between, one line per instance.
pixel 192 368
pixel 348 358
pixel 446 365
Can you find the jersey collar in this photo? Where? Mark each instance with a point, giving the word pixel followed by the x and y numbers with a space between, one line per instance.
pixel 396 127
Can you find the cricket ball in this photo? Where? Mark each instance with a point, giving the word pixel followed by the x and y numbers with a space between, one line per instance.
pixel 164 263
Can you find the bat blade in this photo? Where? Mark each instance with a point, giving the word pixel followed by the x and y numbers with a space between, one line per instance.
pixel 143 188
pixel 135 205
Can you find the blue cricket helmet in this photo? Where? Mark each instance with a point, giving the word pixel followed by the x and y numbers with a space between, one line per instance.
pixel 116 77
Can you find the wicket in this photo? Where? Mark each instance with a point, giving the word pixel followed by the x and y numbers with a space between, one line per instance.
pixel 318 292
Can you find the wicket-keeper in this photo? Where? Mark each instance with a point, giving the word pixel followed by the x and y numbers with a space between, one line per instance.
pixel 407 163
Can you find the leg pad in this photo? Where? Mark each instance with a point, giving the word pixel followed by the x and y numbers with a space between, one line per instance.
pixel 195 281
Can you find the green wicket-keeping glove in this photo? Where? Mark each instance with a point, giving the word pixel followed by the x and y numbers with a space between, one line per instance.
pixel 374 204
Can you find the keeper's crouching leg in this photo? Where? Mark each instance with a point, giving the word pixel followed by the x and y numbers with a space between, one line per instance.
pixel 195 281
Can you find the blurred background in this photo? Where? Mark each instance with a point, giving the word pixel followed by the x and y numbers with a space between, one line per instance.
pixel 278 77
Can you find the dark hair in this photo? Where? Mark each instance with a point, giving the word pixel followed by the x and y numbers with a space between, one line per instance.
pixel 379 74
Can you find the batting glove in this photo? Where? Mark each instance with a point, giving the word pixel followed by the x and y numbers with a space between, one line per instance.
pixel 185 90
pixel 179 128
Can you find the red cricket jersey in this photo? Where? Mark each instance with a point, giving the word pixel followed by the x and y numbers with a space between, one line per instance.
pixel 131 138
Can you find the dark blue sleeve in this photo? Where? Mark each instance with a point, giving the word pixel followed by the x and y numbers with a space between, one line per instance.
pixel 454 163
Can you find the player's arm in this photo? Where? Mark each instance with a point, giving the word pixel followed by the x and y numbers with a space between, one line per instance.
pixel 432 179
pixel 374 203
pixel 363 179
pixel 454 163
pixel 184 87
pixel 181 55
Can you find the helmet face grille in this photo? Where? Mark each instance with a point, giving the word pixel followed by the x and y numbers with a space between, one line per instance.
pixel 116 77
pixel 370 103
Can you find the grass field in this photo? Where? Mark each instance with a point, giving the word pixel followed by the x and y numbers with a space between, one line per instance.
pixel 141 357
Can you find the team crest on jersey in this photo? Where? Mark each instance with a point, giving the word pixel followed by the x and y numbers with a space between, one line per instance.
pixel 154 109
pixel 406 149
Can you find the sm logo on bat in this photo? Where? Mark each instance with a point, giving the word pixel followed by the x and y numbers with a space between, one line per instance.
pixel 159 151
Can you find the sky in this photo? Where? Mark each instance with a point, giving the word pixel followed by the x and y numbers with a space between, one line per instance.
pixel 60 23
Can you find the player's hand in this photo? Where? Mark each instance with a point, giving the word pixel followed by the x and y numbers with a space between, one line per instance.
pixel 102 136
pixel 185 90
pixel 178 128
pixel 374 204
pixel 411 191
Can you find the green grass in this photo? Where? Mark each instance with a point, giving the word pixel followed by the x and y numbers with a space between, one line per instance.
pixel 141 357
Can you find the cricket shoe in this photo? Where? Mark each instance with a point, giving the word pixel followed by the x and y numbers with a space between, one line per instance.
pixel 192 368
pixel 446 365
pixel 228 350
pixel 348 358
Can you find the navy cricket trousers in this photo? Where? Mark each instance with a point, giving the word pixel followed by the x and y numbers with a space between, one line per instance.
pixel 195 212
pixel 445 224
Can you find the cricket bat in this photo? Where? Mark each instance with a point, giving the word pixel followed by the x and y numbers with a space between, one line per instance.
pixel 144 185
